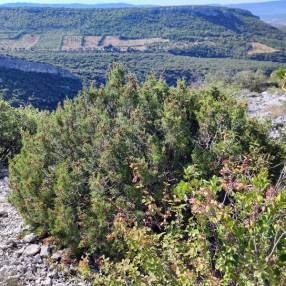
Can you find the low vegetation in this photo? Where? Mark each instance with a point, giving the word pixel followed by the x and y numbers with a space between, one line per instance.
pixel 12 123
pixel 46 91
pixel 91 66
pixel 149 184
pixel 279 76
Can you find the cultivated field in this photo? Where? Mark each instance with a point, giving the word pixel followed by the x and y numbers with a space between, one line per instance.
pixel 5 35
pixel 50 41
pixel 139 44
pixel 99 42
pixel 72 43
pixel 258 48
pixel 91 42
pixel 25 42
pixel 58 40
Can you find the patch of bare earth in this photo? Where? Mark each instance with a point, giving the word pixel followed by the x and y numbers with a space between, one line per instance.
pixel 91 42
pixel 258 48
pixel 276 110
pixel 72 43
pixel 26 42
pixel 139 44
pixel 76 42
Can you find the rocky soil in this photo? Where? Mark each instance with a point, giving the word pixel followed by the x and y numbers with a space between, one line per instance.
pixel 27 260
pixel 268 105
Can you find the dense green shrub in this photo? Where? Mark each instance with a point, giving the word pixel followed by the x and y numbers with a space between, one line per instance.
pixel 228 230
pixel 278 76
pixel 104 175
pixel 12 123
pixel 254 81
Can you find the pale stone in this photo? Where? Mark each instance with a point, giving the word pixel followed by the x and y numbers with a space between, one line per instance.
pixel 29 238
pixel 32 250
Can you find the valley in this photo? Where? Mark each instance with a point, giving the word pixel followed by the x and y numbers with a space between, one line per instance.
pixel 191 42
pixel 201 31
pixel 91 66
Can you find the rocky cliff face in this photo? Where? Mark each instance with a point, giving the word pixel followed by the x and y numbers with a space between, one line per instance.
pixel 29 66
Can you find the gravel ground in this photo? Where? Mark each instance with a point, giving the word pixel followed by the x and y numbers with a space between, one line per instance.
pixel 268 105
pixel 24 261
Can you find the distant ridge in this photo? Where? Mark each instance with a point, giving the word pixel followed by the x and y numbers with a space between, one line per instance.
pixel 273 12
pixel 71 5
pixel 197 31
pixel 263 8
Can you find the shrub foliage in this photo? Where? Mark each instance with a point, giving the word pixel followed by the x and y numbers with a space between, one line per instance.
pixel 12 123
pixel 156 185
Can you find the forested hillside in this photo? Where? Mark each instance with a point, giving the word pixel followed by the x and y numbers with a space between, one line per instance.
pixel 92 66
pixel 191 42
pixel 192 30
pixel 33 85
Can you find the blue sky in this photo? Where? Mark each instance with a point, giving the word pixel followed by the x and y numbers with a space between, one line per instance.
pixel 154 2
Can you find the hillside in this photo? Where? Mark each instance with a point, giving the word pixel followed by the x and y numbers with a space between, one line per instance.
pixel 192 42
pixel 92 66
pixel 200 31
pixel 23 83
